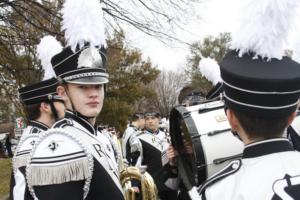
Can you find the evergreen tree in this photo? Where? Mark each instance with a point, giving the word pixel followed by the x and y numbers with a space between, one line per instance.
pixel 128 77
pixel 213 47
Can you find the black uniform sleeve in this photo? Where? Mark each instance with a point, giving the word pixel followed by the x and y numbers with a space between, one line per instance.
pixel 27 195
pixel 131 157
pixel 70 190
pixel 11 186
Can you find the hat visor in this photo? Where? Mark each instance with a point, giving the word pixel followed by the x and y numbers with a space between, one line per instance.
pixel 91 80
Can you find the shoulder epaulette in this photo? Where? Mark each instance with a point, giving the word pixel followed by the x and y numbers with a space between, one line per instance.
pixel 23 151
pixel 231 168
pixel 59 157
pixel 62 123
pixel 35 130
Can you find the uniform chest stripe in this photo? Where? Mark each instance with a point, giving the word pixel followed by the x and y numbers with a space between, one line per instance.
pixel 24 151
pixel 57 160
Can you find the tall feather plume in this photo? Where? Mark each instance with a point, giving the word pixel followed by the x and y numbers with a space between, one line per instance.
pixel 83 22
pixel 263 27
pixel 210 69
pixel 46 49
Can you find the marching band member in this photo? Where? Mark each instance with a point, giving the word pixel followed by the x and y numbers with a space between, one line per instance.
pixel 43 107
pixel 131 145
pixel 261 92
pixel 74 160
pixel 155 146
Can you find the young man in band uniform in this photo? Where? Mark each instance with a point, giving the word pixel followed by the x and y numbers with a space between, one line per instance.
pixel 261 92
pixel 131 146
pixel 154 144
pixel 74 160
pixel 43 107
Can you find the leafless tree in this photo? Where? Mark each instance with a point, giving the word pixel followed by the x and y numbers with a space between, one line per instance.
pixel 156 18
pixel 167 87
pixel 23 22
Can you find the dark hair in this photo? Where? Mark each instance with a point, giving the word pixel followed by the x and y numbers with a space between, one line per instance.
pixel 137 116
pixel 32 111
pixel 152 111
pixel 190 93
pixel 262 127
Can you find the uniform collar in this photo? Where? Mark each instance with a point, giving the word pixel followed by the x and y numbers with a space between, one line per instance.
pixel 153 132
pixel 266 147
pixel 132 126
pixel 38 124
pixel 70 115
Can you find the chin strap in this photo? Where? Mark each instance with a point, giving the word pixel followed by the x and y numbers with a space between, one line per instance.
pixel 73 107
pixel 53 110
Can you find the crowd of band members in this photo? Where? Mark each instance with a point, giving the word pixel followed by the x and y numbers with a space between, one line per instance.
pixel 63 155
pixel 144 144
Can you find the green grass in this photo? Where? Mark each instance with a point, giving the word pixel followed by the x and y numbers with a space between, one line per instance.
pixel 5 173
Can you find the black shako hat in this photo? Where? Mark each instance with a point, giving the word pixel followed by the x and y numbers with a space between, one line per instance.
pixel 258 79
pixel 260 87
pixel 40 92
pixel 83 59
pixel 84 66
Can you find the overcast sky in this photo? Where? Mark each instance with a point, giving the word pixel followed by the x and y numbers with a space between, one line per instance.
pixel 216 16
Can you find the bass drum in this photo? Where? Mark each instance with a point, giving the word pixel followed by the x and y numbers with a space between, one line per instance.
pixel 202 136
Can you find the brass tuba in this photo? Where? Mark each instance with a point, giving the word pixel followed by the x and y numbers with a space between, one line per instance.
pixel 129 173
pixel 149 190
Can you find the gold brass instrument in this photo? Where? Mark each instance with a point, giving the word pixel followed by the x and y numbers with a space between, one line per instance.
pixel 129 173
pixel 149 190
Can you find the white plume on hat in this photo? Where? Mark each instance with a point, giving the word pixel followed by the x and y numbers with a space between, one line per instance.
pixel 210 69
pixel 263 27
pixel 83 22
pixel 46 49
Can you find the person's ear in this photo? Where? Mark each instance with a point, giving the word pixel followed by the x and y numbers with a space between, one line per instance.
pixel 291 118
pixel 61 91
pixel 232 119
pixel 45 108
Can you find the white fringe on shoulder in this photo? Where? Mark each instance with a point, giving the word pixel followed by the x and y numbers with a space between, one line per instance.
pixel 20 161
pixel 57 174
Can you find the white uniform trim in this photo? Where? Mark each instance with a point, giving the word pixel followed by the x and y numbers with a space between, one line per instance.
pixel 19 188
pixel 231 168
pixel 86 75
pixel 259 92
pixel 261 107
pixel 155 140
pixel 35 97
pixel 47 86
pixel 130 136
pixel 266 141
pixel 43 174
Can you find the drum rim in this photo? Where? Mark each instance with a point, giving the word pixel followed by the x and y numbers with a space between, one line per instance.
pixel 182 112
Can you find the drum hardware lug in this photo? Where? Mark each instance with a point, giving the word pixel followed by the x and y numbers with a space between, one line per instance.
pixel 195 136
pixel 208 109
pixel 212 133
pixel 200 166
pixel 186 114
